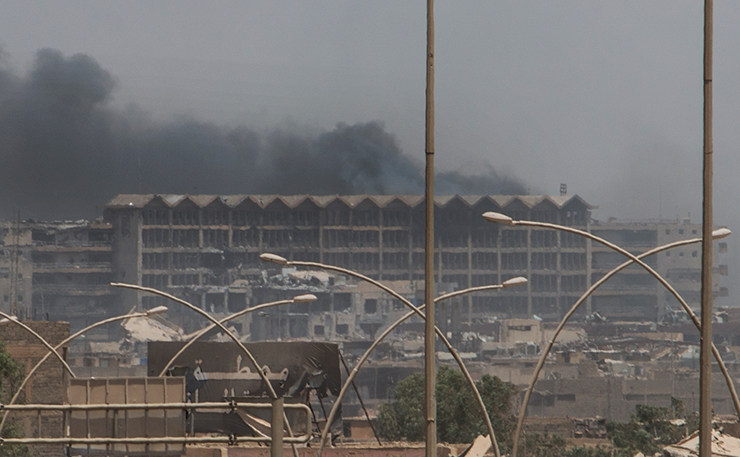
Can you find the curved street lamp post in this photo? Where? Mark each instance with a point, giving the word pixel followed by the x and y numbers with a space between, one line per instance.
pixel 518 281
pixel 503 219
pixel 14 320
pixel 298 299
pixel 278 416
pixel 151 312
pixel 415 310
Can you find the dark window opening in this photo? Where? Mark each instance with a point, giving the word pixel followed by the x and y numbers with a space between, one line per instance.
pixel 342 301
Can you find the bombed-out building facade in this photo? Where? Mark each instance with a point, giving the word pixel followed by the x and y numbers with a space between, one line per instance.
pixel 58 271
pixel 205 249
pixel 201 244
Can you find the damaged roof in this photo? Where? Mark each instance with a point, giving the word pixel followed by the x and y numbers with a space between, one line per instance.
pixel 722 445
pixel 351 201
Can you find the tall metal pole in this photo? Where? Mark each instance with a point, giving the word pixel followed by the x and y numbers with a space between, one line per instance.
pixel 429 335
pixel 705 380
pixel 276 428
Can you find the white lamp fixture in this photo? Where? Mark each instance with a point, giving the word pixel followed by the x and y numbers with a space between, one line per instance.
pixel 518 281
pixel 157 310
pixel 721 233
pixel 498 218
pixel 306 298
pixel 274 258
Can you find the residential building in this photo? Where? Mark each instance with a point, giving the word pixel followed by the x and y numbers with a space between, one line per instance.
pixel 634 294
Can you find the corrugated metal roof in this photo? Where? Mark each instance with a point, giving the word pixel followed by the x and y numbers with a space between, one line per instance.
pixel 292 201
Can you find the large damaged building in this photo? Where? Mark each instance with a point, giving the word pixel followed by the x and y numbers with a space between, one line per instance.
pixel 57 271
pixel 205 249
pixel 201 244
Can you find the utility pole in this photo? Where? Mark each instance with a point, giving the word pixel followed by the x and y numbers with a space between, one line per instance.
pixel 705 359
pixel 429 335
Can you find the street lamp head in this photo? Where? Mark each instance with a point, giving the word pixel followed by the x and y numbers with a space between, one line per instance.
pixel 156 310
pixel 5 319
pixel 498 218
pixel 274 258
pixel 721 233
pixel 518 281
pixel 306 298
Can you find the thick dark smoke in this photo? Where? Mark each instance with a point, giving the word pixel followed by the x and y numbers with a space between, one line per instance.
pixel 64 151
pixel 351 159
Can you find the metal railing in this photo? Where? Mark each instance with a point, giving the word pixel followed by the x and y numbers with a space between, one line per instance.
pixel 277 408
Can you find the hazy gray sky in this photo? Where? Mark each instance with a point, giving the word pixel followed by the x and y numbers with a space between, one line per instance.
pixel 603 96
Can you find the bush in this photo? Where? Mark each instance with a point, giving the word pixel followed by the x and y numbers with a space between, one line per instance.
pixel 11 375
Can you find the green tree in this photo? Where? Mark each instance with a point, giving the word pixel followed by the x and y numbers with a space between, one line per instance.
pixel 459 420
pixel 403 418
pixel 11 374
pixel 650 428
pixel 631 438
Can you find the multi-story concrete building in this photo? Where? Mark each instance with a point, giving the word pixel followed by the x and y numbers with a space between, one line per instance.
pixel 72 267
pixel 206 249
pixel 634 294
pixel 56 271
pixel 15 268
pixel 201 244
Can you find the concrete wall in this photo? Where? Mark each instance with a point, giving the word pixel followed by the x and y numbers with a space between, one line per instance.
pixel 48 385
pixel 408 450
pixel 615 398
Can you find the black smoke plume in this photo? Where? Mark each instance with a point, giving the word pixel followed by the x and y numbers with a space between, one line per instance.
pixel 64 151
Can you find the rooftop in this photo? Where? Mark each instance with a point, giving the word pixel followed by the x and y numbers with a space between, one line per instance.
pixel 351 201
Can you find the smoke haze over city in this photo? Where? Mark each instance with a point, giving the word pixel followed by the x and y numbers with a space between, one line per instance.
pixel 605 97
pixel 67 151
